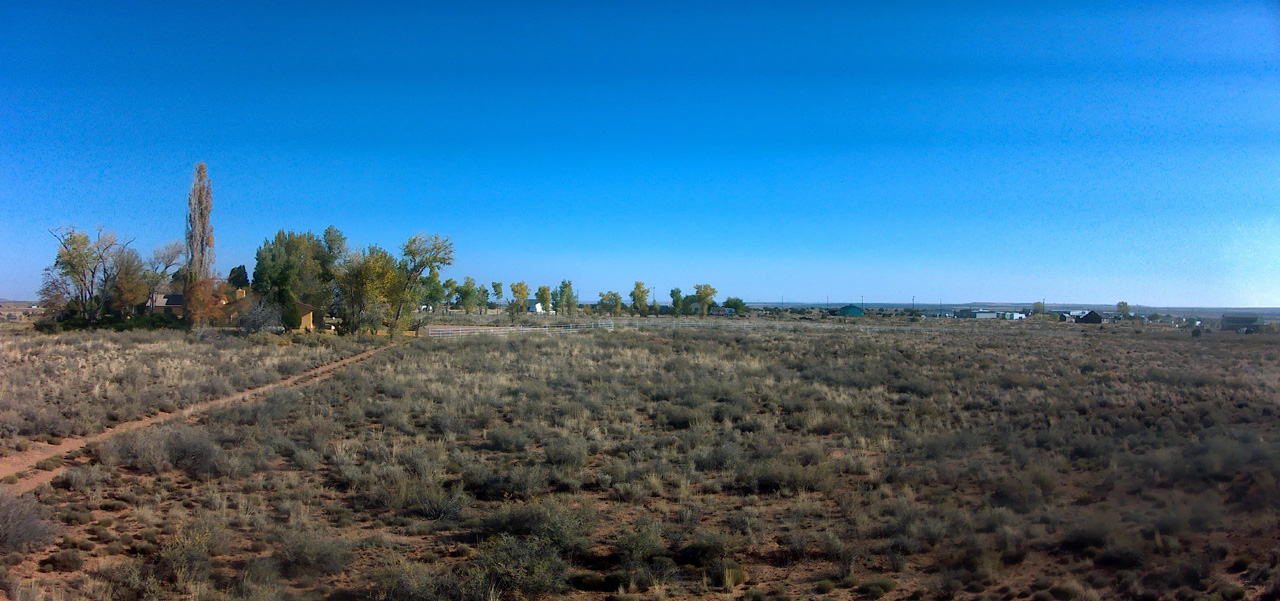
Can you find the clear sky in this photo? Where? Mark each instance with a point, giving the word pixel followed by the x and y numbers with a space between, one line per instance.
pixel 1000 151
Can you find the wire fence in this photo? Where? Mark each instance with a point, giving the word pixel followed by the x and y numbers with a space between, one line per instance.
pixel 562 328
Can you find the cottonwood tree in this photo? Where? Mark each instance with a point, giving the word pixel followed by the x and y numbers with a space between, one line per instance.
pixel 738 305
pixel 162 260
pixel 482 298
pixel 566 299
pixel 125 281
pixel 1122 308
pixel 544 297
pixel 705 296
pixel 467 294
pixel 420 253
pixel 450 286
pixel 610 303
pixel 677 295
pixel 433 292
pixel 76 282
pixel 497 291
pixel 519 303
pixel 640 299
pixel 363 280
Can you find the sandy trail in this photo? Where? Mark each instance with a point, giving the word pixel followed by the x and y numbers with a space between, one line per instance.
pixel 18 463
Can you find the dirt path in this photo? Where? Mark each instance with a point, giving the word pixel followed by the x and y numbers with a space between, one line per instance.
pixel 16 464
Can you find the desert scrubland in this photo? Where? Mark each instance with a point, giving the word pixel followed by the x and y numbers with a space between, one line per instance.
pixel 1041 462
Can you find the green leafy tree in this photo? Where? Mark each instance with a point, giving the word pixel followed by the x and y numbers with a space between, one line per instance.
pixel 450 288
pixel 610 303
pixel 433 292
pixel 1122 308
pixel 519 303
pixel 363 280
pixel 640 299
pixel 737 304
pixel 706 294
pixel 497 291
pixel 676 296
pixel 543 297
pixel 467 294
pixel 301 263
pixel 689 305
pixel 77 281
pixel 1037 308
pixel 239 277
pixel 566 299
pixel 420 253
pixel 482 295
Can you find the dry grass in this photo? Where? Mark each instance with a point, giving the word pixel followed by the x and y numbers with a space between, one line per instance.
pixel 1057 463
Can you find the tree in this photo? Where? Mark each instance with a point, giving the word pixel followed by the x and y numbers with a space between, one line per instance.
pixel 640 299
pixel 419 254
pixel 610 303
pixel 467 294
pixel 566 299
pixel 543 297
pixel 654 309
pixel 450 286
pixel 737 304
pixel 77 280
pixel 482 296
pixel 519 300
pixel 162 259
pixel 1037 308
pixel 263 314
pixel 1122 308
pixel 199 231
pixel 363 279
pixel 676 296
pixel 705 295
pixel 497 291
pixel 125 281
pixel 433 292
pixel 239 277
pixel 199 287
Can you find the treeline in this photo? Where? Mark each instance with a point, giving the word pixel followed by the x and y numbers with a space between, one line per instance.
pixel 102 282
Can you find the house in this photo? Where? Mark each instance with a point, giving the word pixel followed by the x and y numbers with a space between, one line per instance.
pixel 306 313
pixel 168 304
pixel 536 307
pixel 1241 322
pixel 850 311
pixel 1012 315
pixel 1089 317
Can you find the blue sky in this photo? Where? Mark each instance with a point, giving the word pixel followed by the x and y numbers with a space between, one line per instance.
pixel 1000 151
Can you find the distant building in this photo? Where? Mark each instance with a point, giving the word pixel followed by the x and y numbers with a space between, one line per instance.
pixel 1012 315
pixel 722 311
pixel 168 304
pixel 976 314
pixel 536 307
pixel 850 311
pixel 1089 317
pixel 1240 321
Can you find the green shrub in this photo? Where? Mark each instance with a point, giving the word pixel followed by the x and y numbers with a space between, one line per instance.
pixel 311 550
pixel 21 525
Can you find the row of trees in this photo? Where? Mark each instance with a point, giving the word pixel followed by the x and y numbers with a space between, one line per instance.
pixel 101 279
pixel 366 288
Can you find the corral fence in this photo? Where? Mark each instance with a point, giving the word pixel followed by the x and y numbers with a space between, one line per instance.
pixel 561 328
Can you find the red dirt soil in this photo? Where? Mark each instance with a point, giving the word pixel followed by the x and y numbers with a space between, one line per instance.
pixel 18 463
